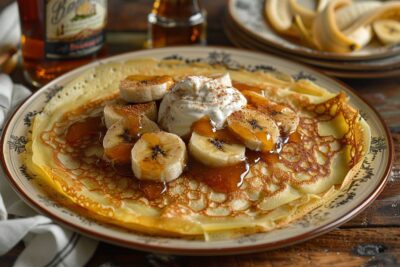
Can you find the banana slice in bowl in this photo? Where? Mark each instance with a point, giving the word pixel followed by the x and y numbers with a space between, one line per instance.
pixel 115 112
pixel 142 88
pixel 159 157
pixel 255 129
pixel 121 136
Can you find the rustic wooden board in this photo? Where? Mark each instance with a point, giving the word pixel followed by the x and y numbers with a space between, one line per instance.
pixel 344 247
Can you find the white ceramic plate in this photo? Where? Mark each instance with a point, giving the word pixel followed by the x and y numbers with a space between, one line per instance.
pixel 248 16
pixel 242 39
pixel 345 69
pixel 369 181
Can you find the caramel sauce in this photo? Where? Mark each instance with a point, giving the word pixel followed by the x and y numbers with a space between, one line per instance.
pixel 220 179
pixel 246 87
pixel 89 127
pixel 204 127
pixel 253 157
pixel 270 158
pixel 120 154
pixel 133 124
pixel 152 190
pixel 295 137
pixel 133 110
pixel 262 103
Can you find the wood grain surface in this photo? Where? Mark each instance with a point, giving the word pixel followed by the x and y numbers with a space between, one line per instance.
pixel 370 239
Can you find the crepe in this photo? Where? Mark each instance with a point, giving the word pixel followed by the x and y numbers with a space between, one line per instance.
pixel 318 161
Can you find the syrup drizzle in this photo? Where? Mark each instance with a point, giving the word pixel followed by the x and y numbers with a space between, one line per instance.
pixel 220 179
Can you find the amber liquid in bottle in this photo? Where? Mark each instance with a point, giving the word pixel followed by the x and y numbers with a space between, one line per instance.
pixel 38 68
pixel 176 22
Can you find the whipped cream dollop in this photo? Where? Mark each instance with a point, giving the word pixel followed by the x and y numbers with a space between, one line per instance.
pixel 195 97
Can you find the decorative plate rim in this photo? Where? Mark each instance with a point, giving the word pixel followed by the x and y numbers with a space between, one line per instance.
pixel 308 52
pixel 141 245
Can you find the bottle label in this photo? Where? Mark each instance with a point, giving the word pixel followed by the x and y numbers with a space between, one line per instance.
pixel 74 28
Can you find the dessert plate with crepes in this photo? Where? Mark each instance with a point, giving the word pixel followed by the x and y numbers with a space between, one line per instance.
pixel 325 29
pixel 193 150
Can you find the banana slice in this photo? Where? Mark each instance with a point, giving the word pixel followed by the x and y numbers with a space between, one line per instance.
pixel 388 31
pixel 140 88
pixel 285 118
pixel 215 148
pixel 116 112
pixel 214 152
pixel 159 157
pixel 280 16
pixel 120 137
pixel 255 129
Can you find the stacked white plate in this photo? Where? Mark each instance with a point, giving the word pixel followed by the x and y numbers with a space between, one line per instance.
pixel 246 27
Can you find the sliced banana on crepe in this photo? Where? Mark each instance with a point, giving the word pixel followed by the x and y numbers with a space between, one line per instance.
pixel 159 157
pixel 388 31
pixel 285 118
pixel 256 130
pixel 118 111
pixel 215 148
pixel 214 152
pixel 141 88
pixel 120 137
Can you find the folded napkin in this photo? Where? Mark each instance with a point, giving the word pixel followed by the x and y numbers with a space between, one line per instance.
pixel 46 243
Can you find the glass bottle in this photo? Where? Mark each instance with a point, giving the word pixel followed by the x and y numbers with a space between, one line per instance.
pixel 60 35
pixel 176 22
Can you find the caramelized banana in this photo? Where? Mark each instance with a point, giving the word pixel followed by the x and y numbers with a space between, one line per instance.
pixel 116 112
pixel 159 157
pixel 285 118
pixel 121 136
pixel 255 129
pixel 141 89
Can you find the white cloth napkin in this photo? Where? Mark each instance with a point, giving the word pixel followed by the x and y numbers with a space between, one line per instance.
pixel 46 243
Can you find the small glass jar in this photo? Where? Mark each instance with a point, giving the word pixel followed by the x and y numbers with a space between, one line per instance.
pixel 176 22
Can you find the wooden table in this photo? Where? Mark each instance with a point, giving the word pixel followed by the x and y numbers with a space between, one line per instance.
pixel 370 239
